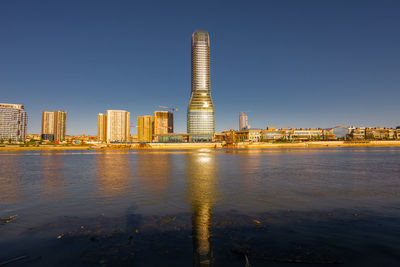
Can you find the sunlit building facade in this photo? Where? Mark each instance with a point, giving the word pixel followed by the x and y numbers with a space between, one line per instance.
pixel 13 122
pixel 145 128
pixel 243 122
pixel 101 127
pixel 54 124
pixel 200 114
pixel 118 126
pixel 163 122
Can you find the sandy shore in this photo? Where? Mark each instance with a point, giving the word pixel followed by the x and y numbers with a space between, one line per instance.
pixel 314 144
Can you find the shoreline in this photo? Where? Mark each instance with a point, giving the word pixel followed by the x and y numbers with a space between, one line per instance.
pixel 176 146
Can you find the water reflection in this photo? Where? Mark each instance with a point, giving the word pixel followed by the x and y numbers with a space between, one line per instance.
pixel 201 175
pixel 113 172
pixel 154 172
pixel 52 172
pixel 10 190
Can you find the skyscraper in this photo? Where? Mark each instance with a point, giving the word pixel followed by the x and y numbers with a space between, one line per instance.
pixel 118 128
pixel 243 124
pixel 54 124
pixel 200 114
pixel 163 122
pixel 145 128
pixel 13 121
pixel 102 127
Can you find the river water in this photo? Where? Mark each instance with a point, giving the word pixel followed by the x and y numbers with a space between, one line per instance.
pixel 278 207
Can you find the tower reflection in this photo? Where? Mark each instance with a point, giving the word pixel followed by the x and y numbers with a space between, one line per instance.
pixel 201 169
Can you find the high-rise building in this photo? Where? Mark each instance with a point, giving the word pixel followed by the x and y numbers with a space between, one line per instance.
pixel 200 114
pixel 145 128
pixel 163 122
pixel 101 127
pixel 243 124
pixel 54 125
pixel 13 121
pixel 118 126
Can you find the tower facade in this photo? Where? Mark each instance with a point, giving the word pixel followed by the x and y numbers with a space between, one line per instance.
pixel 243 124
pixel 118 125
pixel 145 128
pixel 101 127
pixel 54 124
pixel 163 122
pixel 200 114
pixel 13 121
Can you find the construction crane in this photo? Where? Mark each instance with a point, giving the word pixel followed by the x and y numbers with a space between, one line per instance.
pixel 168 108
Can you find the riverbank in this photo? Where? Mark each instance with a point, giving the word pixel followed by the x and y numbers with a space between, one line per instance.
pixel 176 146
pixel 46 148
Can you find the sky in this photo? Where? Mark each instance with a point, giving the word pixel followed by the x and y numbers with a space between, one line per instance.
pixel 284 63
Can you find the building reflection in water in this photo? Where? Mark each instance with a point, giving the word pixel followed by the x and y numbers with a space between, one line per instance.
pixel 201 175
pixel 154 173
pixel 10 177
pixel 52 173
pixel 113 171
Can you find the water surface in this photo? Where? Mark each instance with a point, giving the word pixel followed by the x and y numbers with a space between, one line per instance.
pixel 201 207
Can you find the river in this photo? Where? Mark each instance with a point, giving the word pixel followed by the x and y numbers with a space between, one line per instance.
pixel 273 207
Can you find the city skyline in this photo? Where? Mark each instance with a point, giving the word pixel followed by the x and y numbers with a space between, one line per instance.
pixel 270 59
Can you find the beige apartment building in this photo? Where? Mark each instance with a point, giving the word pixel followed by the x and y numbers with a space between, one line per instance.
pixel 145 128
pixel 101 127
pixel 117 125
pixel 163 122
pixel 54 125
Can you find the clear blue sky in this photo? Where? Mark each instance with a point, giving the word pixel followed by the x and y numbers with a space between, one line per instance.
pixel 287 63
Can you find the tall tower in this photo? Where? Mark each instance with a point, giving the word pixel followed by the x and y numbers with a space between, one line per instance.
pixel 101 127
pixel 118 125
pixel 200 114
pixel 163 122
pixel 13 121
pixel 243 124
pixel 54 125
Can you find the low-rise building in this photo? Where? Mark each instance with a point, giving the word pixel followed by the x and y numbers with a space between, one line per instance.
pixel 271 134
pixel 306 134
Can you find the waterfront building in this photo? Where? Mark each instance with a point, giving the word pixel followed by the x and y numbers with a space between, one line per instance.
pixel 54 125
pixel 274 134
pixel 101 127
pixel 306 134
pixel 177 138
pixel 336 133
pixel 145 128
pixel 377 133
pixel 47 132
pixel 200 113
pixel 118 126
pixel 13 122
pixel 34 137
pixel 163 122
pixel 357 133
pixel 243 123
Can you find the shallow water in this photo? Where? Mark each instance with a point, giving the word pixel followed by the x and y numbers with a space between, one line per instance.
pixel 202 207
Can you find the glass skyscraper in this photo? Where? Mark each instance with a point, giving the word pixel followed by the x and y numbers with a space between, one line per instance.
pixel 200 114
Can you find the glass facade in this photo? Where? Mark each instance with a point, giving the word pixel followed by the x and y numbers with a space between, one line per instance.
pixel 200 115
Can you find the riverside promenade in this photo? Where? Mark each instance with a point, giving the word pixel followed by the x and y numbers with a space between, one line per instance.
pixel 208 145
